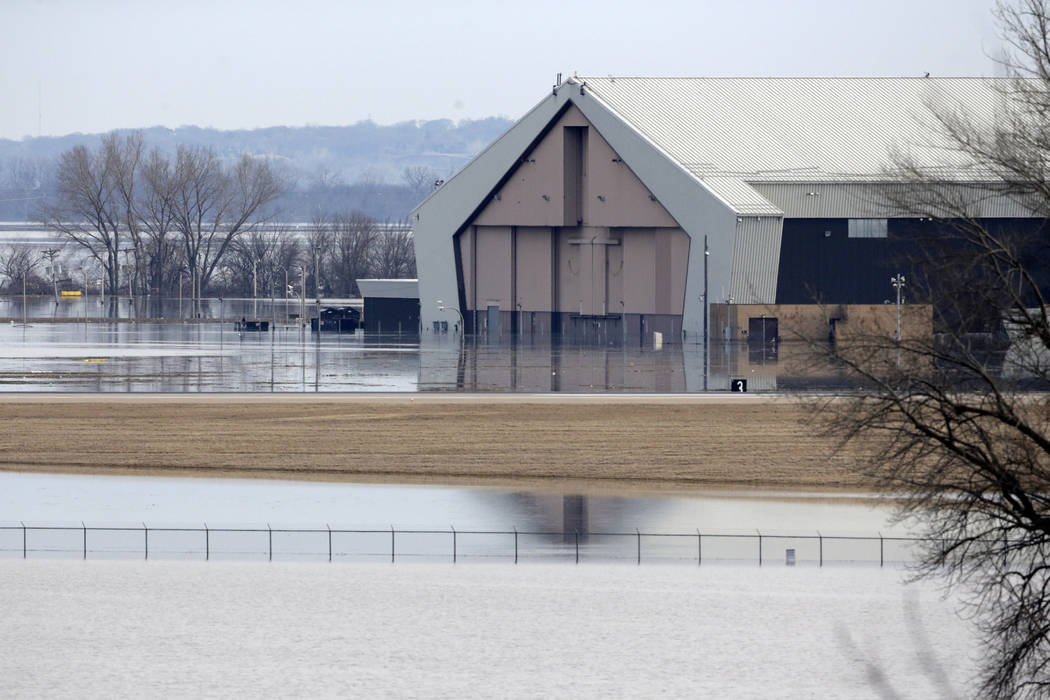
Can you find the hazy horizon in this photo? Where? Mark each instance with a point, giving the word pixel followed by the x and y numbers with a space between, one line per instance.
pixel 72 67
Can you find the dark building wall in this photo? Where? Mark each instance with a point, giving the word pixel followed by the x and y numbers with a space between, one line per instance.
pixel 391 315
pixel 819 263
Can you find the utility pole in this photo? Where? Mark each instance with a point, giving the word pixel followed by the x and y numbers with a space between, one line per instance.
pixel 707 256
pixel 255 292
pixel 317 271
pixel 50 254
pixel 317 286
pixel 898 284
pixel 129 268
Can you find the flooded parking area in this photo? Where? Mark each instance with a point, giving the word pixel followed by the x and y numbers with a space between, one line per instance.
pixel 70 346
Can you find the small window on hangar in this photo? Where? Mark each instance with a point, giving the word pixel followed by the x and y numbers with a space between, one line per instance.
pixel 867 228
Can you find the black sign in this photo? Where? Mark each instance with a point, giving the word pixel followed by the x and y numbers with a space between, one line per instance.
pixel 738 385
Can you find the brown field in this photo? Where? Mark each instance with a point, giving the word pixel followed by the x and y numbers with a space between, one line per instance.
pixel 605 441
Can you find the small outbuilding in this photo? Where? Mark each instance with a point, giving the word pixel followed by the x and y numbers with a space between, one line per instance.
pixel 390 305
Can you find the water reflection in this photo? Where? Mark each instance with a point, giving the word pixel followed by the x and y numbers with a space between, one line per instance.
pixel 429 522
pixel 56 352
pixel 41 498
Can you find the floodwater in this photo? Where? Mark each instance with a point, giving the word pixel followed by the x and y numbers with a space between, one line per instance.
pixel 157 347
pixel 239 513
pixel 99 498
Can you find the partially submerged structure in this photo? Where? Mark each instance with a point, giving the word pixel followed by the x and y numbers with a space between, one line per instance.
pixel 390 305
pixel 592 213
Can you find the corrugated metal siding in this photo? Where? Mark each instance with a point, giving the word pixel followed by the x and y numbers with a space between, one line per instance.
pixel 756 256
pixel 870 200
pixel 741 196
pixel 820 263
pixel 391 289
pixel 797 129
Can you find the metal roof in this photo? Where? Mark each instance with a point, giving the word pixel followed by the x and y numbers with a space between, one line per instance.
pixel 389 288
pixel 797 129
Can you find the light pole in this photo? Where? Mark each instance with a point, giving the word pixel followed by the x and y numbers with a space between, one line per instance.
pixel 302 295
pixel 50 254
pixel 898 284
pixel 707 257
pixel 255 291
pixel 318 291
pixel 180 294
pixel 317 271
pixel 442 308
pixel 128 267
pixel 287 290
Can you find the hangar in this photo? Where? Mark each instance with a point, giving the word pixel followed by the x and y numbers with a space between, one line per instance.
pixel 592 213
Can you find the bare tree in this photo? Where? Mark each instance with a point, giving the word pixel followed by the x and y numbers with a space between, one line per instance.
pixel 395 255
pixel 420 180
pixel 317 254
pixel 956 423
pixel 215 205
pixel 353 239
pixel 155 213
pixel 87 209
pixel 123 155
pixel 18 263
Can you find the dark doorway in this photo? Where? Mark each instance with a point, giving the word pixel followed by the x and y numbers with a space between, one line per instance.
pixel 763 336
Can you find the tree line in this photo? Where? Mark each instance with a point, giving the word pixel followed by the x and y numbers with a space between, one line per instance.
pixel 195 224
pixel 359 166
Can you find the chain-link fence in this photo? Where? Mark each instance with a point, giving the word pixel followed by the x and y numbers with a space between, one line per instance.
pixel 340 544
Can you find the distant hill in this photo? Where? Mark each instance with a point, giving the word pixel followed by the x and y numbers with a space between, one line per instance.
pixel 324 157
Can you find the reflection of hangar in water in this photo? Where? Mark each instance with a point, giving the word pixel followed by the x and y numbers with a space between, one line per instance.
pixel 589 216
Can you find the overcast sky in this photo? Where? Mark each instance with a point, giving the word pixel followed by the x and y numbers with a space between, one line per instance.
pixel 69 65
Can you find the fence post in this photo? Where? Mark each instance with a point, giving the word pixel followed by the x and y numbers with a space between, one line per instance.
pixel 24 550
pixel 881 559
pixel 145 541
pixel 85 538
pixel 577 536
pixel 391 544
pixel 329 541
pixel 699 547
pixel 820 540
pixel 453 543
pixel 207 543
pixel 759 547
pixel 515 544
pixel 639 546
pixel 269 532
